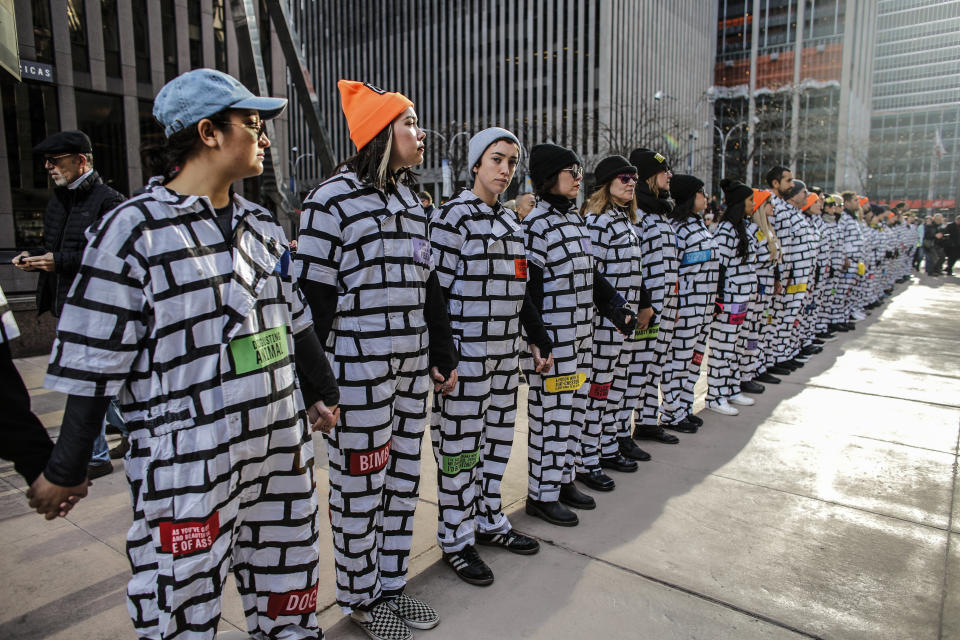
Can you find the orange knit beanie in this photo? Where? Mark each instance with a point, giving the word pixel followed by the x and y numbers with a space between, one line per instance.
pixel 369 109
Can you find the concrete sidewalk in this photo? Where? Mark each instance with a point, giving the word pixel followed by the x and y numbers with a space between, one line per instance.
pixel 826 510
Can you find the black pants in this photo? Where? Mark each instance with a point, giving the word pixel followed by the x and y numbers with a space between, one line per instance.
pixel 23 438
pixel 952 256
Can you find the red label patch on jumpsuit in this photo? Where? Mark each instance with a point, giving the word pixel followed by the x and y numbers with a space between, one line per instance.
pixel 292 603
pixel 697 357
pixel 179 538
pixel 366 462
pixel 599 391
pixel 520 268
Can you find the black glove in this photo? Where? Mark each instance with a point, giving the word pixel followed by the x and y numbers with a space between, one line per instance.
pixel 619 319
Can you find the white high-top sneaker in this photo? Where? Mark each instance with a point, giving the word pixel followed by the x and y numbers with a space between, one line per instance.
pixel 742 400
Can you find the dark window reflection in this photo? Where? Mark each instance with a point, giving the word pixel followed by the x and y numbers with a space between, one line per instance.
pixel 77 23
pixel 141 46
pixel 100 116
pixel 168 23
pixel 42 31
pixel 111 37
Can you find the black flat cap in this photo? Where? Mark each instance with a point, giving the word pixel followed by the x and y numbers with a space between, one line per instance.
pixel 71 141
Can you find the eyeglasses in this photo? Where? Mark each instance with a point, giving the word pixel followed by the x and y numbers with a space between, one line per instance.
pixel 576 172
pixel 259 128
pixel 627 178
pixel 55 160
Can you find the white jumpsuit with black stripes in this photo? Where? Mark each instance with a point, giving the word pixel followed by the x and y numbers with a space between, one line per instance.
pixel 697 283
pixel 373 247
pixel 739 289
pixel 558 243
pixel 812 309
pixel 852 246
pixel 616 253
pixel 833 252
pixel 193 333
pixel 753 336
pixel 792 230
pixel 481 264
pixel 638 390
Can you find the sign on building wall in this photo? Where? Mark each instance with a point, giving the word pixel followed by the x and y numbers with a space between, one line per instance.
pixel 31 70
pixel 9 50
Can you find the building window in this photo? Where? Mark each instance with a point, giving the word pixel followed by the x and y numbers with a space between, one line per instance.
pixel 77 23
pixel 100 116
pixel 219 36
pixel 168 24
pixel 30 114
pixel 111 37
pixel 151 133
pixel 42 31
pixel 194 35
pixel 141 46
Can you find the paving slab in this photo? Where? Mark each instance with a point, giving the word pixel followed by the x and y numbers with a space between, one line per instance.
pixel 950 628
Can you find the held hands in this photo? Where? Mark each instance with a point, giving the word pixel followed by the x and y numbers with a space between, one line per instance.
pixel 36 263
pixel 625 320
pixel 51 500
pixel 644 316
pixel 541 364
pixel 323 418
pixel 441 384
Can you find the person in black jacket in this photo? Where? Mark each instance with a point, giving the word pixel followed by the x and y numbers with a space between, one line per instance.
pixel 951 243
pixel 80 198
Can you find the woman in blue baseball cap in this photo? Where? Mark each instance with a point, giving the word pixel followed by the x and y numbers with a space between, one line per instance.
pixel 185 308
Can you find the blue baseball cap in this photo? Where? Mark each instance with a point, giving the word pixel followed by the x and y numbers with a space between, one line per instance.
pixel 201 93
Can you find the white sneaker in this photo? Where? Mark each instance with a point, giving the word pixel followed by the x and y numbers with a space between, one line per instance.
pixel 742 400
pixel 723 408
pixel 801 358
pixel 858 315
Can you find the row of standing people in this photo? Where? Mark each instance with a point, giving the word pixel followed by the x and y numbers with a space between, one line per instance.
pixel 217 341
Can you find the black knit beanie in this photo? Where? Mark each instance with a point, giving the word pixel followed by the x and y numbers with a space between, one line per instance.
pixel 735 192
pixel 648 163
pixel 546 161
pixel 684 187
pixel 610 167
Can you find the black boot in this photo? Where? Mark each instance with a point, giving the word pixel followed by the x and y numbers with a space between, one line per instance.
pixel 573 497
pixel 654 433
pixel 629 449
pixel 552 512
pixel 597 480
pixel 619 462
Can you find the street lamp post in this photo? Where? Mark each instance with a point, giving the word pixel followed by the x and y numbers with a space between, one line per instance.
pixel 293 171
pixel 723 145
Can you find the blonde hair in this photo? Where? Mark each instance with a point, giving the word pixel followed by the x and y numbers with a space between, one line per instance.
pixel 652 183
pixel 601 200
pixel 760 219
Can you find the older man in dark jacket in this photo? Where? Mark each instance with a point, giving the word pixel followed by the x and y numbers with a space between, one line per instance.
pixel 80 199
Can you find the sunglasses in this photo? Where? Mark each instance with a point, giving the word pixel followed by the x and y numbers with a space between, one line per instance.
pixel 576 172
pixel 627 178
pixel 259 127
pixel 55 160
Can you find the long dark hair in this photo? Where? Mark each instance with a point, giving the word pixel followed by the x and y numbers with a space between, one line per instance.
pixel 166 158
pixel 372 163
pixel 683 211
pixel 736 214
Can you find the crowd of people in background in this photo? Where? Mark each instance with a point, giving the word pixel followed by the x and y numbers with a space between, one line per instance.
pixel 221 348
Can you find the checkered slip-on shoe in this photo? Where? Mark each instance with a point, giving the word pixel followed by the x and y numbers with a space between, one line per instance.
pixel 382 623
pixel 417 614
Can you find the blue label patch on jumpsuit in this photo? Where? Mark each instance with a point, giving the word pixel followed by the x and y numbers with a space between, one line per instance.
pixel 221 458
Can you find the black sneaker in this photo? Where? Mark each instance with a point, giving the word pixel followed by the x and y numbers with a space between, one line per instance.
pixel 749 386
pixel 779 370
pixel 573 497
pixel 767 378
pixel 414 613
pixel 552 512
pixel 382 623
pixel 469 566
pixel 597 480
pixel 99 469
pixel 826 337
pixel 694 419
pixel 619 462
pixel 511 541
pixel 629 449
